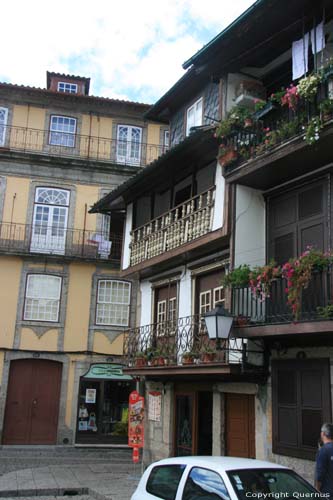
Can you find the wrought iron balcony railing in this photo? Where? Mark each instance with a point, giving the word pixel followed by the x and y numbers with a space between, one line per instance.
pixel 182 342
pixel 181 224
pixel 29 239
pixel 275 125
pixel 315 302
pixel 61 144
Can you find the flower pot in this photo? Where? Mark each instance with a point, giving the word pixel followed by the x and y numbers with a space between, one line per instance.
pixel 188 360
pixel 140 362
pixel 241 321
pixel 208 357
pixel 159 361
pixel 228 157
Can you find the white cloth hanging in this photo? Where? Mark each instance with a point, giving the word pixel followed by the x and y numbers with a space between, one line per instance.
pixel 318 43
pixel 300 56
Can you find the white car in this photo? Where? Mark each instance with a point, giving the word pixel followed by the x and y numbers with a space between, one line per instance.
pixel 216 478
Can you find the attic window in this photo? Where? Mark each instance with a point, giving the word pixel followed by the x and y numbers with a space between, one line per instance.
pixel 71 88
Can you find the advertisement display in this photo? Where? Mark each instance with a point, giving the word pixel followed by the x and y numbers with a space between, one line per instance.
pixel 136 420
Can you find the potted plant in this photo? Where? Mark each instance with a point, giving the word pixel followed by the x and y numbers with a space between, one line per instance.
pixel 307 87
pixel 326 109
pixel 241 320
pixel 140 359
pixel 188 357
pixel 208 354
pixel 158 358
pixel 227 155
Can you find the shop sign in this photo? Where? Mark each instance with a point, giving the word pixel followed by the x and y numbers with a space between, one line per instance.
pixel 107 371
pixel 136 420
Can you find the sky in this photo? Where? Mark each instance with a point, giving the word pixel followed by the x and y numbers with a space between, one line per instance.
pixel 131 50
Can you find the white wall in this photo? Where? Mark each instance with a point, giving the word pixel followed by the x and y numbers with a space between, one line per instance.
pixel 184 296
pixel 127 238
pixel 249 227
pixel 219 199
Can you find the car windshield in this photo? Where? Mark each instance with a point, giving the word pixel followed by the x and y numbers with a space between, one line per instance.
pixel 265 484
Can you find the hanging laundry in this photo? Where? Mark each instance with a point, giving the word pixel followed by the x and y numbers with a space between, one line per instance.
pixel 318 43
pixel 300 56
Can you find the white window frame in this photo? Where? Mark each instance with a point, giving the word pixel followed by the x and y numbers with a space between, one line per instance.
pixel 42 302
pixel 58 137
pixel 71 88
pixel 101 304
pixel 3 125
pixel 220 291
pixel 166 140
pixel 196 111
pixel 205 302
pixel 125 146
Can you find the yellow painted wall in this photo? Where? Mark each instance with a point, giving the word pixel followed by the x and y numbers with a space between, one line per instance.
pixel 98 145
pixel 78 307
pixel 104 346
pixel 153 142
pixel 10 273
pixel 17 194
pixel 34 119
pixel 47 342
pixel 85 195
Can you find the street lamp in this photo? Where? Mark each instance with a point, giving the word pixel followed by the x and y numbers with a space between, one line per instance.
pixel 218 322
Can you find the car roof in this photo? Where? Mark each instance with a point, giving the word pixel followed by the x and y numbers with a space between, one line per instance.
pixel 220 463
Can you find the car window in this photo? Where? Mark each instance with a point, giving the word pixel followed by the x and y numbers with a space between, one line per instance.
pixel 204 484
pixel 281 483
pixel 163 481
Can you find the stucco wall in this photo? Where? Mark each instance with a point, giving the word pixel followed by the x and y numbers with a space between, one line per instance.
pixel 250 227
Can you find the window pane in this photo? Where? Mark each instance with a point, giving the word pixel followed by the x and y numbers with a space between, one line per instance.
pixel 42 298
pixel 204 483
pixel 113 298
pixel 164 480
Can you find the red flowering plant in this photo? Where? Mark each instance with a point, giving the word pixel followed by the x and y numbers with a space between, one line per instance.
pixel 290 98
pixel 260 280
pixel 298 273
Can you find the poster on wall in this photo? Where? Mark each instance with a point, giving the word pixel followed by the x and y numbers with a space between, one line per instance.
pixel 83 425
pixel 90 396
pixel 136 420
pixel 154 406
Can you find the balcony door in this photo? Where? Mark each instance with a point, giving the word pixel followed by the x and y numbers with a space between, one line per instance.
pixel 50 216
pixel 129 144
pixel 3 123
pixel 209 291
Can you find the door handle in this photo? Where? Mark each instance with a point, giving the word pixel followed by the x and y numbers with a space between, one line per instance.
pixel 34 402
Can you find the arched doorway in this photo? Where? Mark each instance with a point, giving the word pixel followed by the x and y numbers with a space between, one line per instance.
pixel 32 404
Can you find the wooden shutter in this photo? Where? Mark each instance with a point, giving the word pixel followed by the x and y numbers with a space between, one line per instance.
pixel 301 403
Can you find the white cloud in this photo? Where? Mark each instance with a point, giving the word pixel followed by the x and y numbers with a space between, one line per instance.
pixel 129 49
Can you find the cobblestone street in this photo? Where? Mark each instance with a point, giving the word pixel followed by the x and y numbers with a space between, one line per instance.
pixel 53 472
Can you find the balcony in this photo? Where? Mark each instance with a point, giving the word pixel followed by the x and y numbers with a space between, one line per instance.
pixel 279 143
pixel 178 226
pixel 25 239
pixel 172 347
pixel 274 316
pixel 65 145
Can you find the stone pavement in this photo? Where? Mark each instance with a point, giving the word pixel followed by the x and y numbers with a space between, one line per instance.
pixel 54 472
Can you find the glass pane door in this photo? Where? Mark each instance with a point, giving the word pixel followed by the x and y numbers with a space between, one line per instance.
pixel 49 229
pixel 184 442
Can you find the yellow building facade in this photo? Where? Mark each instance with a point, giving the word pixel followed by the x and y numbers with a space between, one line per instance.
pixel 64 309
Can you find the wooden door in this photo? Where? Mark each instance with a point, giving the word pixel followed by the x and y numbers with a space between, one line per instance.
pixel 32 405
pixel 240 425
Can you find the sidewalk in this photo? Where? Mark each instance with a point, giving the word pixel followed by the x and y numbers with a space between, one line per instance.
pixel 82 474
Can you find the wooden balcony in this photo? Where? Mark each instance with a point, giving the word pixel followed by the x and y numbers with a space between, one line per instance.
pixel 178 226
pixel 87 147
pixel 34 239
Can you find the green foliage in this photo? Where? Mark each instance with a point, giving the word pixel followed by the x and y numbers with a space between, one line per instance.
pixel 325 312
pixel 238 277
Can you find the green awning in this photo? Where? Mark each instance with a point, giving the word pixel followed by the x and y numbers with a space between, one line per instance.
pixel 107 371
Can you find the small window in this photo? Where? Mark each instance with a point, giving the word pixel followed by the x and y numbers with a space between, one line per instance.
pixel 42 298
pixel 205 302
pixel 164 480
pixel 62 131
pixel 204 483
pixel 218 295
pixel 71 88
pixel 113 302
pixel 194 116
pixel 166 140
pixel 3 125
